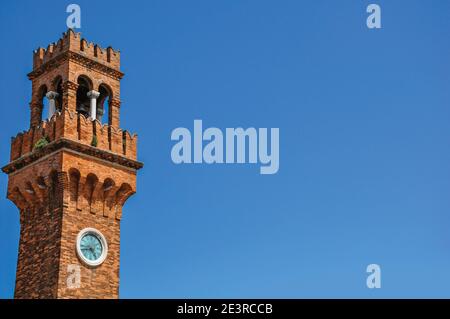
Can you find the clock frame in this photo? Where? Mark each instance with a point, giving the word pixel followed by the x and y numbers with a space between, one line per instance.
pixel 104 245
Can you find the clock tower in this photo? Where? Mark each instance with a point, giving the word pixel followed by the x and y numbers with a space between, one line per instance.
pixel 71 172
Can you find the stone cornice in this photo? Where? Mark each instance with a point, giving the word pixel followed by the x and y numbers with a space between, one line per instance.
pixel 77 58
pixel 64 143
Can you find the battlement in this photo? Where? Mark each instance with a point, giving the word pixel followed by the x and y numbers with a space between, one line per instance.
pixel 75 126
pixel 72 41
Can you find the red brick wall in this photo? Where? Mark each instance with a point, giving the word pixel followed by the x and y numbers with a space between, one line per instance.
pixel 52 217
pixel 63 192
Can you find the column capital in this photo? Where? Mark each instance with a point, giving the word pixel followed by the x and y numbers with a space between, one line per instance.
pixel 93 94
pixel 51 95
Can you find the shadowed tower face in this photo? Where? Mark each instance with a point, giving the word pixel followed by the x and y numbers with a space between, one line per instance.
pixel 71 172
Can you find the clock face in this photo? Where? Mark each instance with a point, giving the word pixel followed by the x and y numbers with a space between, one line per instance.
pixel 91 247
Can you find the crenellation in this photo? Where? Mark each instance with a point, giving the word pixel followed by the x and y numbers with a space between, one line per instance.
pixel 72 41
pixel 16 146
pixel 98 52
pixel 101 132
pixel 67 42
pixel 84 45
pixel 75 126
pixel 38 134
pixel 38 57
pixel 116 140
pixel 50 127
pixel 87 48
pixel 67 125
pixel 130 142
pixel 85 129
pixel 27 144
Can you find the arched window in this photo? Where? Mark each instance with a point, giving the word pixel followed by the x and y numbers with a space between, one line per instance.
pixel 43 101
pixel 74 180
pixel 103 104
pixel 83 102
pixel 58 88
pixel 91 182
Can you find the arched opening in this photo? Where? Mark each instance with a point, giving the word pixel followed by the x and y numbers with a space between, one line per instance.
pixel 53 191
pixel 43 101
pixel 103 113
pixel 18 199
pixel 122 194
pixel 91 182
pixel 57 84
pixel 108 197
pixel 83 102
pixel 74 182
pixel 108 184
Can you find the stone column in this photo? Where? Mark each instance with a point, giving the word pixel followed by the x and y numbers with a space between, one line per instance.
pixel 51 96
pixel 93 95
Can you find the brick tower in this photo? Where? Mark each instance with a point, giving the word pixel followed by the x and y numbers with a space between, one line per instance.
pixel 71 172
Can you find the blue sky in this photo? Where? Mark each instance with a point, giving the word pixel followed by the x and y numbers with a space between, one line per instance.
pixel 364 118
